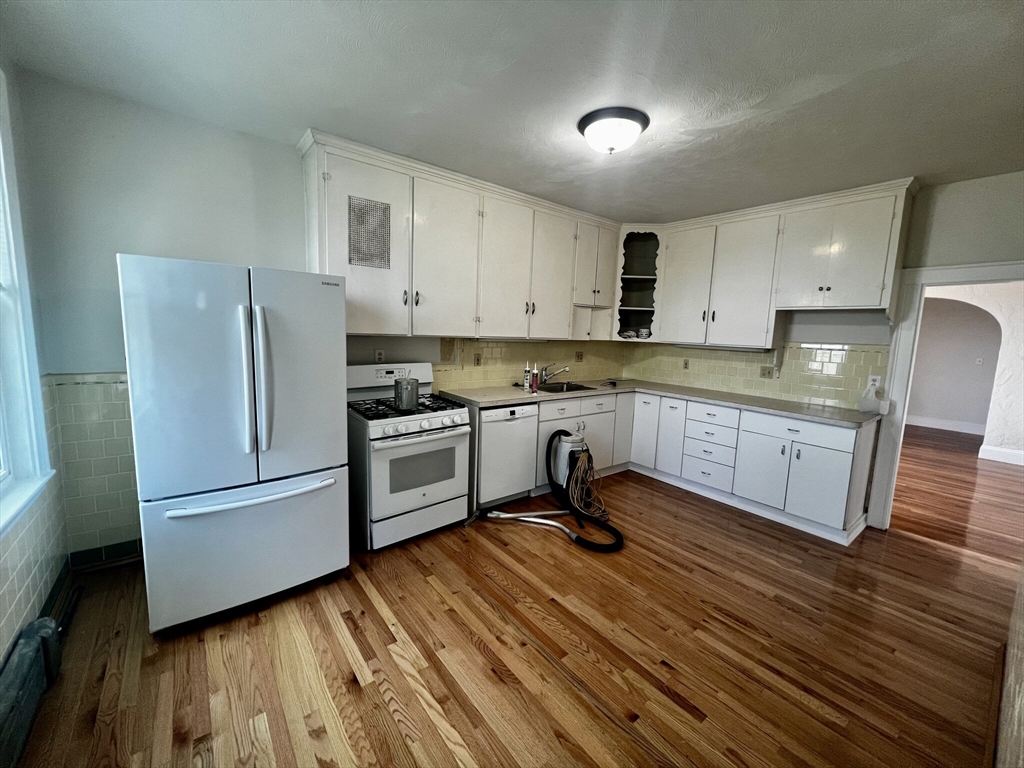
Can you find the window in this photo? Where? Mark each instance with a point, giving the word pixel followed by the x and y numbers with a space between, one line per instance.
pixel 24 461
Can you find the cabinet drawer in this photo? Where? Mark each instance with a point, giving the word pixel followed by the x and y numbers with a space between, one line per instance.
pixel 713 414
pixel 810 432
pixel 559 409
pixel 700 449
pixel 711 433
pixel 605 404
pixel 707 472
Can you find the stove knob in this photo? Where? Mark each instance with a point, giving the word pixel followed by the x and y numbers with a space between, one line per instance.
pixel 402 428
pixel 458 418
pixel 389 429
pixel 425 424
pixel 446 421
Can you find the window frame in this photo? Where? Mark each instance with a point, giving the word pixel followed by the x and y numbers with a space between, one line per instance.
pixel 22 424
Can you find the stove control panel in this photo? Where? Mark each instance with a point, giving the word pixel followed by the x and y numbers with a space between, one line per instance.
pixel 389 374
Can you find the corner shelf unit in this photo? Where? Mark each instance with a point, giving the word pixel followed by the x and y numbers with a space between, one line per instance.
pixel 638 282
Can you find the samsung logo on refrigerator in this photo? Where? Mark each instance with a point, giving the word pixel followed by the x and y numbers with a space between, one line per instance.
pixel 336 285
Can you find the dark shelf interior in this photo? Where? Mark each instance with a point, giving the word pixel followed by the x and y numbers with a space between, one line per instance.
pixel 639 281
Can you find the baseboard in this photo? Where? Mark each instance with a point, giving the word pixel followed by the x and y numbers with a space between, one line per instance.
pixel 966 427
pixel 111 554
pixel 1005 455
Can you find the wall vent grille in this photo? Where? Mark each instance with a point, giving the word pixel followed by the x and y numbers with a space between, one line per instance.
pixel 369 233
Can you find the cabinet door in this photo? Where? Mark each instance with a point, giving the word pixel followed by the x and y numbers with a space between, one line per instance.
pixel 860 249
pixel 544 431
pixel 819 482
pixel 446 245
pixel 645 430
pixel 671 426
pixel 741 283
pixel 505 255
pixel 581 317
pixel 607 266
pixel 684 285
pixel 369 220
pixel 762 468
pixel 624 404
pixel 803 258
pixel 601 320
pixel 599 432
pixel 551 283
pixel 584 286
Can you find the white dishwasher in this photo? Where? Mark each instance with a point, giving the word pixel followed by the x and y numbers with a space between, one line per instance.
pixel 507 452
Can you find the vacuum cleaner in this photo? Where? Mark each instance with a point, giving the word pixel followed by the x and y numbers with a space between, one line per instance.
pixel 573 484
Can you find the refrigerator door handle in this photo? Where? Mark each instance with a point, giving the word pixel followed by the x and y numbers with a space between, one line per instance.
pixel 244 322
pixel 185 512
pixel 265 414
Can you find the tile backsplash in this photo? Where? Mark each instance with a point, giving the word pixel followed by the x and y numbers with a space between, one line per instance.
pixel 97 459
pixel 34 548
pixel 828 374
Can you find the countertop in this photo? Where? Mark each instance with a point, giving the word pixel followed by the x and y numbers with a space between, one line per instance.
pixel 494 397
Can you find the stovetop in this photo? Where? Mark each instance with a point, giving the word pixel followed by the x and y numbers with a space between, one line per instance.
pixel 384 408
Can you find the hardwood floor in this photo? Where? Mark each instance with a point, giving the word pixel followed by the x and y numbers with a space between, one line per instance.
pixel 712 638
pixel 945 493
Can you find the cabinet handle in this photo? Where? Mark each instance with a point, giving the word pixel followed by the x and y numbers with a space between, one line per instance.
pixel 798 454
pixel 712 415
pixel 794 431
pixel 599 406
pixel 527 307
pixel 706 474
pixel 712 316
pixel 405 298
pixel 584 425
pixel 533 311
pixel 710 434
pixel 598 290
pixel 416 300
pixel 704 316
pixel 673 407
pixel 709 453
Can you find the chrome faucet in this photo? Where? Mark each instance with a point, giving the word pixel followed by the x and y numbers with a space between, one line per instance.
pixel 545 377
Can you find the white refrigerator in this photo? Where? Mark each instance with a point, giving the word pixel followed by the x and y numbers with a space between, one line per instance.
pixel 236 380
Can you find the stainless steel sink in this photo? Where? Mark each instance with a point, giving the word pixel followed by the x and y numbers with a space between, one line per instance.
pixel 564 386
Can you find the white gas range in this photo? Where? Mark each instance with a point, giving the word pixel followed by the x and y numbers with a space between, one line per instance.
pixel 408 470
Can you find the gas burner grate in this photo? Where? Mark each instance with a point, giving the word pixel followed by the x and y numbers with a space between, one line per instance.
pixel 384 408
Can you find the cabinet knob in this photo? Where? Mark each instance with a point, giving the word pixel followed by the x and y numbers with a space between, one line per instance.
pixel 828 288
pixel 783 450
pixel 821 287
pixel 405 298
pixel 798 454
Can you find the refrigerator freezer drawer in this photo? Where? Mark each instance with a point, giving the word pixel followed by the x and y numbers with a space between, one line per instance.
pixel 217 550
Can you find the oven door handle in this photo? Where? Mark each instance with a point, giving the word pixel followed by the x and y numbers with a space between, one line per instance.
pixel 401 442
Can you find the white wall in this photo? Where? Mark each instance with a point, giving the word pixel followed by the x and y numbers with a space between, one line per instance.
pixel 968 222
pixel 102 175
pixel 951 389
pixel 1004 428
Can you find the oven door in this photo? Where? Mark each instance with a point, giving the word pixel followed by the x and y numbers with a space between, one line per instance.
pixel 415 471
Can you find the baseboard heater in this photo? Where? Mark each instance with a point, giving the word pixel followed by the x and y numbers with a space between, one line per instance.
pixel 30 669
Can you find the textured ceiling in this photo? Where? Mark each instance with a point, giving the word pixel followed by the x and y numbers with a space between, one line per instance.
pixel 749 102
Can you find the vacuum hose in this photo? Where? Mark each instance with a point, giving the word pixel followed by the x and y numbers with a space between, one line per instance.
pixel 566 499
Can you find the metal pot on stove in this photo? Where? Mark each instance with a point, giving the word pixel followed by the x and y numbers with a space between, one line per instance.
pixel 407 394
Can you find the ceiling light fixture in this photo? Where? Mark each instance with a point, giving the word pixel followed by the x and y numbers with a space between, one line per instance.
pixel 613 129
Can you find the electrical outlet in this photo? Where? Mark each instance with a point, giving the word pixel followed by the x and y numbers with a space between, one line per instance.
pixel 579 357
pixel 478 359
pixel 767 372
pixel 378 355
pixel 979 361
pixel 875 381
pixel 686 363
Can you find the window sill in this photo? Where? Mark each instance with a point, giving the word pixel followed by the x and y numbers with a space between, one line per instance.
pixel 17 495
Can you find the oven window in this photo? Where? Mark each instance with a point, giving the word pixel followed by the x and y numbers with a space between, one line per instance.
pixel 422 469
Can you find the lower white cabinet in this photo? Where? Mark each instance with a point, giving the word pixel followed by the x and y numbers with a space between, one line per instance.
pixel 671 425
pixel 707 473
pixel 645 429
pixel 624 404
pixel 598 429
pixel 762 469
pixel 819 481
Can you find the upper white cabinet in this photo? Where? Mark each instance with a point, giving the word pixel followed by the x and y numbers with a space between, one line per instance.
pixel 837 256
pixel 366 234
pixel 505 255
pixel 684 286
pixel 554 240
pixel 741 286
pixel 446 246
pixel 596 261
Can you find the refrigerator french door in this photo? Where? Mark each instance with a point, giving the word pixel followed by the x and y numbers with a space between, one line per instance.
pixel 236 381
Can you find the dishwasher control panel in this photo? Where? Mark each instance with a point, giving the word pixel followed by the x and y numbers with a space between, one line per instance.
pixel 510 413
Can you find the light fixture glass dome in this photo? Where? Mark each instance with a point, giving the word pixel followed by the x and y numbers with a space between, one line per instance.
pixel 613 129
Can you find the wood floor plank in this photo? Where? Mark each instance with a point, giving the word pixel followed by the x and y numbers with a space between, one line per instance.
pixel 713 638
